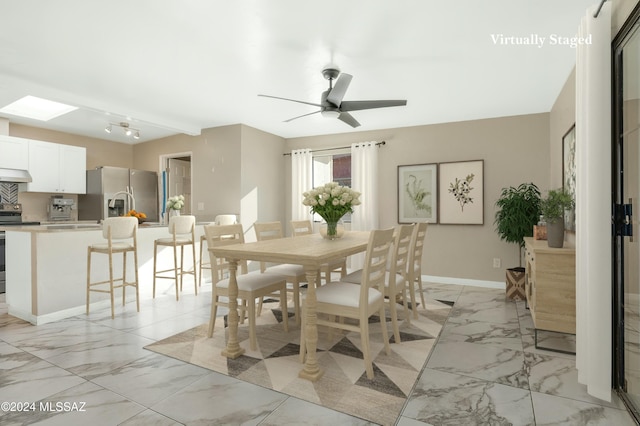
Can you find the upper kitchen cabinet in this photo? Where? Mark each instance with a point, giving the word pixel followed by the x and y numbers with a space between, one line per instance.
pixel 56 168
pixel 14 153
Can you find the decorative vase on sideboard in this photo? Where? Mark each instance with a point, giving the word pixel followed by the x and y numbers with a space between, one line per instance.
pixel 555 233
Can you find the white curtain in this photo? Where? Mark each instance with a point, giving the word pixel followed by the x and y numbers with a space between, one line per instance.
pixel 364 179
pixel 593 204
pixel 301 181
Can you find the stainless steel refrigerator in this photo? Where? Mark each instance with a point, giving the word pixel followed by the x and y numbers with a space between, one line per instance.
pixel 105 184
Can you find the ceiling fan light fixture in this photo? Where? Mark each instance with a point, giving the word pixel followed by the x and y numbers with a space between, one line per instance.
pixel 136 135
pixel 330 113
pixel 108 129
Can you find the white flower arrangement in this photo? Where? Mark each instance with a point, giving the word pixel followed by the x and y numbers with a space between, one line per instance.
pixel 175 203
pixel 331 201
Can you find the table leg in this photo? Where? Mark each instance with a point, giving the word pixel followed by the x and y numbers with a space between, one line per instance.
pixel 233 349
pixel 311 370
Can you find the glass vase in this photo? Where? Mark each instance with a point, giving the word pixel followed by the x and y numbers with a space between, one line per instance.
pixel 332 230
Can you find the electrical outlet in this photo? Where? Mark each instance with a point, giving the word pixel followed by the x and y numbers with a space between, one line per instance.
pixel 200 206
pixel 496 262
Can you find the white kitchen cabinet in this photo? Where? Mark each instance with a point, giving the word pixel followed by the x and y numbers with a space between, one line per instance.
pixel 14 153
pixel 56 168
pixel 73 169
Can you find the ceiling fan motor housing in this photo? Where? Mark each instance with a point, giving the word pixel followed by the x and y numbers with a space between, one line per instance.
pixel 330 73
pixel 327 109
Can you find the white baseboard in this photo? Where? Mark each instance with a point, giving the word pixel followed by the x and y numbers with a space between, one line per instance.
pixel 464 281
pixel 59 315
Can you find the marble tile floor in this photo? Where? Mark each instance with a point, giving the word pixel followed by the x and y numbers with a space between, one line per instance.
pixel 484 369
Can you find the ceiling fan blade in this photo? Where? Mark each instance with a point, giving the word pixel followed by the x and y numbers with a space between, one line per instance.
pixel 360 105
pixel 339 89
pixel 348 118
pixel 300 116
pixel 292 100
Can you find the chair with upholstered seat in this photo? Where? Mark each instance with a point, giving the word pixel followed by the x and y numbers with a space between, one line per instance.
pixel 250 285
pixel 395 277
pixel 304 227
pixel 182 230
pixel 357 301
pixel 221 219
pixel 121 234
pixel 414 264
pixel 294 273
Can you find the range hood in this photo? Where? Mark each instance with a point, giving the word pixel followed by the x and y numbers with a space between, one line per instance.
pixel 14 176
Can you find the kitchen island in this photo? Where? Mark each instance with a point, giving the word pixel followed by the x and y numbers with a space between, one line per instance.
pixel 46 269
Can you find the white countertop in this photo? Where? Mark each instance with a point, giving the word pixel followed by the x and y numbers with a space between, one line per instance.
pixel 69 227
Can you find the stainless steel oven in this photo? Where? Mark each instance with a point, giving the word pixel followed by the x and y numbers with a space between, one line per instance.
pixel 3 265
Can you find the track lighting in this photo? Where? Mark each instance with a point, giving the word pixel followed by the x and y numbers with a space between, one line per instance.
pixel 128 131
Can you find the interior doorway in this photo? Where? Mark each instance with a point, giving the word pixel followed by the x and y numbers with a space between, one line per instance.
pixel 176 180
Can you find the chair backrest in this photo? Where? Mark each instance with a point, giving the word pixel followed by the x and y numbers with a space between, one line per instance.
pixel 301 227
pixel 401 249
pixel 415 252
pixel 180 225
pixel 223 235
pixel 375 263
pixel 268 230
pixel 226 219
pixel 120 228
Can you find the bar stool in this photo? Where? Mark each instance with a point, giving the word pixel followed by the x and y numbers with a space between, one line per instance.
pixel 115 229
pixel 221 219
pixel 182 229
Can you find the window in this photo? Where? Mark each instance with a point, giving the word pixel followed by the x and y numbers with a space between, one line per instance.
pixel 332 168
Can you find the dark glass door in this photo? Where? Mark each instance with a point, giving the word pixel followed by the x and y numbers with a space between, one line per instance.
pixel 626 125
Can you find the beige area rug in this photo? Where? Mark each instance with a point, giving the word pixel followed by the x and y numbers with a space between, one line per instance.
pixel 344 386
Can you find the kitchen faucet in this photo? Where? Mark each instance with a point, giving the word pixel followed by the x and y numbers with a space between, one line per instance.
pixel 129 193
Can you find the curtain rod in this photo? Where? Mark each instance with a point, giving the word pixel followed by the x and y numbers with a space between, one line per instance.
pixel 599 8
pixel 378 144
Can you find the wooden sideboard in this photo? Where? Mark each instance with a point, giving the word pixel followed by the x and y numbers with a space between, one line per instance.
pixel 550 286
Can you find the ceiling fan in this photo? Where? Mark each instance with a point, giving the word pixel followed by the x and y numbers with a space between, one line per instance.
pixel 331 103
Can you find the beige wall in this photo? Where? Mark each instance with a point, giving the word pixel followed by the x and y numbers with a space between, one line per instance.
pixel 215 167
pixel 234 170
pixel 263 179
pixel 620 11
pixel 514 150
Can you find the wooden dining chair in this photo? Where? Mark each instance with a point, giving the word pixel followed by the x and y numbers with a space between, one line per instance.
pixel 357 301
pixel 294 273
pixel 395 277
pixel 414 266
pixel 221 219
pixel 251 286
pixel 304 227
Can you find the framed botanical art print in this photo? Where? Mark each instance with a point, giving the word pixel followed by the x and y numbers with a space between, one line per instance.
pixel 418 193
pixel 461 189
pixel 569 174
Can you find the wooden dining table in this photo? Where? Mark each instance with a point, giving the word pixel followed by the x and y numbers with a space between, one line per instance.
pixel 310 251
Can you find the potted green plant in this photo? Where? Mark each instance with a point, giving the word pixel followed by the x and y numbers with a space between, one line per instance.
pixel 552 207
pixel 518 210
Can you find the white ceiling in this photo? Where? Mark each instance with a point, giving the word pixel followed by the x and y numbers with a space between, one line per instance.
pixel 175 66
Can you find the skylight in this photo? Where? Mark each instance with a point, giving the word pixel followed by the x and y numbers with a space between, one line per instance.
pixel 37 108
